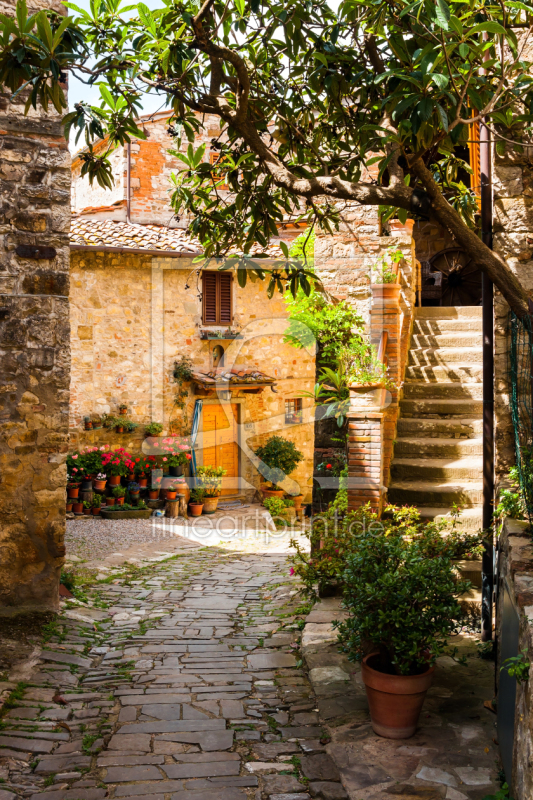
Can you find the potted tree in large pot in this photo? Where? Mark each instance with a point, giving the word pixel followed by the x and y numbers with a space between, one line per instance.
pixel 400 591
pixel 210 480
pixel 280 457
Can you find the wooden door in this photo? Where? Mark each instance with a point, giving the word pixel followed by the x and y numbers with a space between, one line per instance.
pixel 220 444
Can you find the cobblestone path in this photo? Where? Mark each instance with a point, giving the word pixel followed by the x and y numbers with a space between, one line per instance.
pixel 189 687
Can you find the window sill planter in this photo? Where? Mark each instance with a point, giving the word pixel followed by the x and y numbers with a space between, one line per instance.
pixel 220 335
pixel 395 701
pixel 385 291
pixel 366 395
pixel 196 509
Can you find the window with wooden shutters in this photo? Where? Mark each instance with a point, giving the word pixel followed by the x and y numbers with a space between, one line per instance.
pixel 217 303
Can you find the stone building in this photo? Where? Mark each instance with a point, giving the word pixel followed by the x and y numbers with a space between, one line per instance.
pixel 34 350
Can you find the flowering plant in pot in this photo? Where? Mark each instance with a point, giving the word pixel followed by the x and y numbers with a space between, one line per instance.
pixel 196 503
pixel 400 591
pixel 116 463
pixel 100 481
pixel 134 490
pixel 210 480
pixel 119 493
pixel 280 457
pixel 177 455
pixel 73 487
pixel 142 469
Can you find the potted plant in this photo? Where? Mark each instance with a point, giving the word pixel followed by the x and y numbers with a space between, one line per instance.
pixel 88 423
pixel 400 592
pixel 77 508
pixel 123 409
pixel 210 480
pixel 100 481
pixel 153 429
pixel 73 488
pixel 134 490
pixel 383 277
pixel 129 426
pixel 280 457
pixel 153 494
pixel 119 493
pixel 96 504
pixel 196 503
pixel 110 500
pixel 171 492
pixel 177 455
pixel 117 463
pixel 109 421
pixel 86 508
pixel 364 373
pixel 143 467
pixel 297 500
pixel 69 507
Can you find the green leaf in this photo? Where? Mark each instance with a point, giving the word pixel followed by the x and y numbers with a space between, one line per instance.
pixel 487 27
pixel 443 14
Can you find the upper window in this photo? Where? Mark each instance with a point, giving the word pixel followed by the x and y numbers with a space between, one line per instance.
pixel 217 301
pixel 294 411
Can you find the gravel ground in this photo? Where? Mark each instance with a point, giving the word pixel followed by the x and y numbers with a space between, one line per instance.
pixel 96 538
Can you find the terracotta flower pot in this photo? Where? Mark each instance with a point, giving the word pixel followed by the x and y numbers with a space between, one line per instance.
pixel 398 228
pixel 77 508
pixel 114 480
pixel 143 482
pixel 110 501
pixel 272 492
pixel 119 429
pixel 297 500
pixel 395 701
pixel 119 501
pixel 196 509
pixel 385 291
pixel 73 491
pixel 154 494
pixel 135 496
pixel 69 508
pixel 96 511
pixel 86 512
pixel 210 505
pixel 88 426
pixel 99 485
pixel 171 495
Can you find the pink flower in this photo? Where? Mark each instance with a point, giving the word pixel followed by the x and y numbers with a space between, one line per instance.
pixel 74 469
pixel 291 571
pixel 188 456
pixel 74 457
pixel 165 458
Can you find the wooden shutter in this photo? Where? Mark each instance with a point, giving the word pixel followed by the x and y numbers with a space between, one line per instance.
pixel 210 298
pixel 225 299
pixel 217 299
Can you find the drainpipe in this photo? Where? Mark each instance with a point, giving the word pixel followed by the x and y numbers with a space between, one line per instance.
pixel 487 567
pixel 128 183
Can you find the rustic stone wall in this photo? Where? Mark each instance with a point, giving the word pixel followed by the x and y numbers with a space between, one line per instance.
pixel 34 352
pixel 513 240
pixel 515 575
pixel 132 317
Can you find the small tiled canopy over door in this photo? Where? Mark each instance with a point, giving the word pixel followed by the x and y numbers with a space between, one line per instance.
pixel 217 304
pixel 220 446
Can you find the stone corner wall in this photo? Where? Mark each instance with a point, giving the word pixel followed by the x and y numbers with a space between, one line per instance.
pixel 34 352
pixel 515 576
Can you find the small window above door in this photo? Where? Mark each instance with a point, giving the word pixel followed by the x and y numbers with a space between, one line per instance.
pixel 217 298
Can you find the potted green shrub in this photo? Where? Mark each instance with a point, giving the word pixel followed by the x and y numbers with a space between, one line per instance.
pixel 400 591
pixel 119 493
pixel 96 504
pixel 86 508
pixel 280 457
pixel 383 278
pixel 365 373
pixel 210 480
pixel 153 429
pixel 196 503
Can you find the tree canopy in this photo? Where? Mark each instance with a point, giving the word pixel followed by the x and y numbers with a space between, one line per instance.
pixel 308 97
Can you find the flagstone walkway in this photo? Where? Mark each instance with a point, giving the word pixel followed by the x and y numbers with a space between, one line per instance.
pixel 181 681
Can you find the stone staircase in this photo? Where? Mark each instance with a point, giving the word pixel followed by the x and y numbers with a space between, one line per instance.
pixel 438 450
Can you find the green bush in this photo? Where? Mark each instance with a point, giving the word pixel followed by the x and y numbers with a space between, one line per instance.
pixel 281 458
pixel 510 502
pixel 118 491
pixel 197 495
pixel 210 480
pixel 400 591
pixel 153 429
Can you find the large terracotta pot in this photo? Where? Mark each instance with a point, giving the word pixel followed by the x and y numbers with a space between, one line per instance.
pixel 210 505
pixel 114 480
pixel 272 492
pixel 385 291
pixel 395 701
pixel 196 509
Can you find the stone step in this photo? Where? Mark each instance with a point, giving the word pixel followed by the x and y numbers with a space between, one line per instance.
pixel 451 339
pixel 470 519
pixel 445 356
pixel 459 373
pixel 449 312
pixel 449 390
pixel 431 327
pixel 438 448
pixel 434 494
pixel 459 428
pixel 439 407
pixel 469 468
